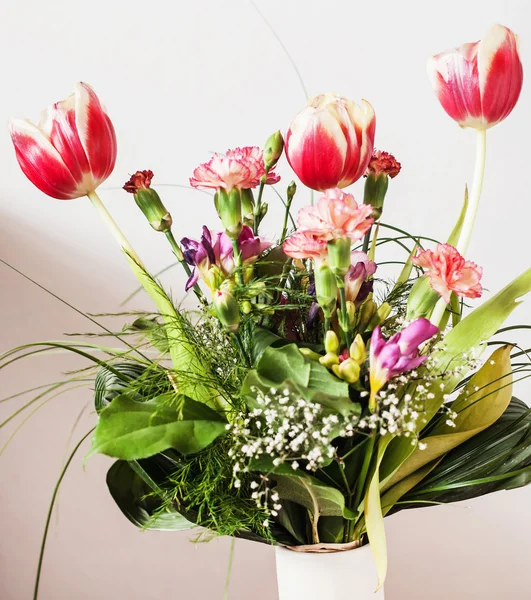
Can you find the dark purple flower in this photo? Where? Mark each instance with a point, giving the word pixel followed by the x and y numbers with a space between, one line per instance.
pixel 398 354
pixel 357 284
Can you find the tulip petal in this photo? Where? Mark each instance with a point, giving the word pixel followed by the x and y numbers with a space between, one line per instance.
pixel 364 121
pixel 41 162
pixel 316 148
pixel 500 73
pixel 96 132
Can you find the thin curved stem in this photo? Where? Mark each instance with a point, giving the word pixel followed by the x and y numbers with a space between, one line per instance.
pixel 113 227
pixel 475 195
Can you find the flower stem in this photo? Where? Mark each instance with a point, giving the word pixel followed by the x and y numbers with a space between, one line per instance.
pixel 438 312
pixel 258 206
pixel 237 260
pixel 286 215
pixel 344 320
pixel 113 227
pixel 179 256
pixel 475 195
pixel 366 241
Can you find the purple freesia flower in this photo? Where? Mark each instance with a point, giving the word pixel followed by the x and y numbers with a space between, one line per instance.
pixel 357 286
pixel 213 258
pixel 398 354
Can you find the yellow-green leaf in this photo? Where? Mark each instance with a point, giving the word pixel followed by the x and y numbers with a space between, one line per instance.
pixel 456 232
pixel 374 517
pixel 485 399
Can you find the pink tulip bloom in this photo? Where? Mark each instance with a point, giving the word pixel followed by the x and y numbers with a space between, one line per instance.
pixel 397 355
pixel 336 215
pixel 215 250
pixel 449 272
pixel 241 168
pixel 72 150
pixel 303 245
pixel 330 142
pixel 478 84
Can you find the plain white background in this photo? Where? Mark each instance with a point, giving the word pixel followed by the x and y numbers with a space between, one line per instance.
pixel 181 79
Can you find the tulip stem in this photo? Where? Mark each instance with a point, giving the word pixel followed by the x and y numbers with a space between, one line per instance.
pixel 113 227
pixel 475 195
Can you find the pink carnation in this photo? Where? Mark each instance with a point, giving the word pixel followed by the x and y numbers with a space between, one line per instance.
pixel 336 215
pixel 449 272
pixel 304 245
pixel 241 168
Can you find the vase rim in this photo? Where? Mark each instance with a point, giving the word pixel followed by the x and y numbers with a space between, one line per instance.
pixel 323 548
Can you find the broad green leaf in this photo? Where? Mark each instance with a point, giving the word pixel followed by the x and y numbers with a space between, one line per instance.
pixel 138 503
pixel 456 232
pixel 484 400
pixel 262 339
pixel 190 374
pixel 374 516
pixel 129 430
pixel 498 458
pixel 467 337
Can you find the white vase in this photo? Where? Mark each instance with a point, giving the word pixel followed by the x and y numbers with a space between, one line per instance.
pixel 310 576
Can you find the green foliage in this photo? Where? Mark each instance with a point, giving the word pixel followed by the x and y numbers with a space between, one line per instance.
pixel 138 503
pixel 129 429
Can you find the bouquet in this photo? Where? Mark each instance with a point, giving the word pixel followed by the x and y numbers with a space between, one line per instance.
pixel 305 397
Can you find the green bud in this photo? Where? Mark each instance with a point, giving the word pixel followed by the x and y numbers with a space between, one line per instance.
pixel 384 310
pixel 351 312
pixel 246 307
pixel 151 205
pixel 247 204
pixel 309 353
pixel 227 310
pixel 148 200
pixel 263 210
pixel 331 342
pixel 214 277
pixel 290 191
pixel 367 311
pixel 357 350
pixel 339 256
pixel 273 150
pixel 230 211
pixel 374 193
pixel 349 371
pixel 422 299
pixel 326 289
pixel 329 359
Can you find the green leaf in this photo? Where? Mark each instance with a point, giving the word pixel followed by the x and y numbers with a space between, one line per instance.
pixel 191 375
pixel 129 429
pixel 286 367
pixel 422 299
pixel 374 516
pixel 467 337
pixel 108 385
pixel 138 502
pixel 262 339
pixel 152 330
pixel 456 232
pixel 498 458
pixel 484 400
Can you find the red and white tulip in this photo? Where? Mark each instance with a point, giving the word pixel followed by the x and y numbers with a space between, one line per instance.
pixel 478 84
pixel 330 142
pixel 72 150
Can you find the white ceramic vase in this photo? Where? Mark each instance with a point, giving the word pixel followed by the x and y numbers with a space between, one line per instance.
pixel 310 576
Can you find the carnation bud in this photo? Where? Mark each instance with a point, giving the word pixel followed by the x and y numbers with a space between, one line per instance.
pixel 273 150
pixel 326 289
pixel 227 310
pixel 248 206
pixel 291 190
pixel 148 200
pixel 357 350
pixel 367 311
pixel 339 256
pixel 331 342
pixel 351 313
pixel 381 167
pixel 229 207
